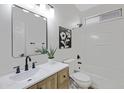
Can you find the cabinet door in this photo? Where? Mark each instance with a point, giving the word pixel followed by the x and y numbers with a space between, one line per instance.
pixel 63 79
pixel 49 83
pixel 52 82
pixel 42 84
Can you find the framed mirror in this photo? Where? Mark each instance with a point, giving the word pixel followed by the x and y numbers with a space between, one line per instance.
pixel 29 32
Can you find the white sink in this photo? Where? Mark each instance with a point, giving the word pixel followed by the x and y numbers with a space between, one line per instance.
pixel 28 78
pixel 24 75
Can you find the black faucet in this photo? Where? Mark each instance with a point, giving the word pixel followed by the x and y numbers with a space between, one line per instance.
pixel 33 64
pixel 17 69
pixel 26 62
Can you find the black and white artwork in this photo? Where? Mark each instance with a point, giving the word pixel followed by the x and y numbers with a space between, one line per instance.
pixel 64 38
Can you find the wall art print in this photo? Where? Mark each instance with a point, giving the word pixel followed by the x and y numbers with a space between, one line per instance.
pixel 65 36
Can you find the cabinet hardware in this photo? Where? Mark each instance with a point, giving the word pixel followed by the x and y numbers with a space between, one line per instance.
pixel 64 76
pixel 32 43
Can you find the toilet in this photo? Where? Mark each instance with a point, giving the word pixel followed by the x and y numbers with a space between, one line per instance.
pixel 81 78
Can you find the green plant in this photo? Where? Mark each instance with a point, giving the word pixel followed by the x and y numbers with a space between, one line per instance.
pixel 49 52
pixel 42 50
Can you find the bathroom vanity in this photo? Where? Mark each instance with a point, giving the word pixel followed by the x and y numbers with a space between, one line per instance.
pixel 59 80
pixel 29 34
pixel 51 75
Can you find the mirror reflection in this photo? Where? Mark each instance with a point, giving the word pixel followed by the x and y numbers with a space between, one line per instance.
pixel 29 32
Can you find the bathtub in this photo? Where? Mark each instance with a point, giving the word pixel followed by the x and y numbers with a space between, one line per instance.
pixel 100 82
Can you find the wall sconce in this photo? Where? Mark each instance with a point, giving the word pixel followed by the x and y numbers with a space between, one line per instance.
pixel 51 11
pixel 50 6
pixel 46 9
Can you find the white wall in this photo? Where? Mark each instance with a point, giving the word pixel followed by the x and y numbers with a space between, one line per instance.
pixel 63 16
pixel 66 15
pixel 103 56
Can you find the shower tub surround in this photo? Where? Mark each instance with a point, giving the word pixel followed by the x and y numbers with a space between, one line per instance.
pixel 101 82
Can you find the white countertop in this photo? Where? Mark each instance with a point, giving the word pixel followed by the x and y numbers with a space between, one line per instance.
pixel 42 71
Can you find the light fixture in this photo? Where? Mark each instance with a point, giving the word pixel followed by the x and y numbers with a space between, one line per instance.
pixel 51 11
pixel 41 6
pixel 31 6
pixel 41 9
pixel 13 5
pixel 46 10
pixel 50 6
pixel 38 5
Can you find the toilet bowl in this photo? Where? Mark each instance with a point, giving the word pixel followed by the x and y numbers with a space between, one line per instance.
pixel 83 80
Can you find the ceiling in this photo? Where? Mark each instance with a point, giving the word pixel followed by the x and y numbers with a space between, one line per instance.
pixel 83 7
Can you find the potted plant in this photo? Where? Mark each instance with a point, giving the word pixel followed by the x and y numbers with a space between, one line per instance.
pixel 41 51
pixel 50 53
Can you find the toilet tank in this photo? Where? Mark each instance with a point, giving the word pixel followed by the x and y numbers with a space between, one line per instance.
pixel 73 65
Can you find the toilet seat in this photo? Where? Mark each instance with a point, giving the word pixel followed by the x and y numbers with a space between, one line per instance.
pixel 83 80
pixel 81 77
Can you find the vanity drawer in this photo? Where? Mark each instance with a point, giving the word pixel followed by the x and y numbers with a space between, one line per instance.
pixel 63 79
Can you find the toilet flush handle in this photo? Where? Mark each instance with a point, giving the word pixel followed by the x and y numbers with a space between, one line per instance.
pixel 79 62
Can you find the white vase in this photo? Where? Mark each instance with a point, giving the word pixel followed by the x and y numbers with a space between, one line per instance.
pixel 51 60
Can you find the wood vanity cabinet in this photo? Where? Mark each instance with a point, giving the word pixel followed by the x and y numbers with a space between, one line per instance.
pixel 59 80
pixel 63 79
pixel 42 85
pixel 49 83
